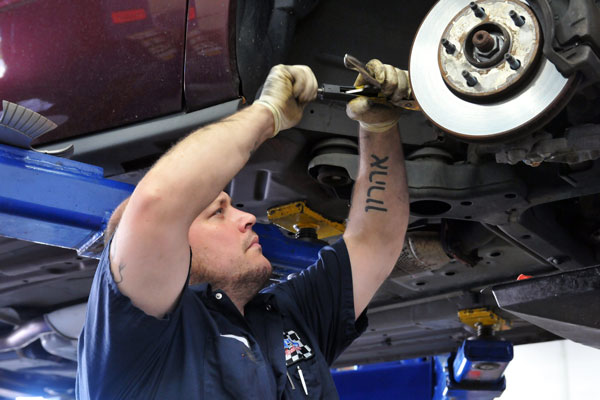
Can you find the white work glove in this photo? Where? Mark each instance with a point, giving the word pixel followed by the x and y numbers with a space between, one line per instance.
pixel 375 116
pixel 286 92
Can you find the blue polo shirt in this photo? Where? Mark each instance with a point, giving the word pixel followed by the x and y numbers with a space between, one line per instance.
pixel 205 349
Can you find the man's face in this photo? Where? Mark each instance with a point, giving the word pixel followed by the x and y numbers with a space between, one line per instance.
pixel 226 252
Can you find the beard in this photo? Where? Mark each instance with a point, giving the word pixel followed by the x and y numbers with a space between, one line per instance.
pixel 242 285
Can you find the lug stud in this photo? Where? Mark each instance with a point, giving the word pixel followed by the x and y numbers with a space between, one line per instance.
pixel 517 19
pixel 450 48
pixel 471 80
pixel 513 62
pixel 478 11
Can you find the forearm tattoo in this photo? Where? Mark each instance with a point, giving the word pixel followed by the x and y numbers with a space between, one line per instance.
pixel 377 179
pixel 121 268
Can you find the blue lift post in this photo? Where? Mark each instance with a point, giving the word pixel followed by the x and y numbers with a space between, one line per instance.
pixel 474 372
pixel 398 380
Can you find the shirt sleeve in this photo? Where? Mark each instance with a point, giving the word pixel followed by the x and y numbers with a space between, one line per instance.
pixel 118 338
pixel 324 295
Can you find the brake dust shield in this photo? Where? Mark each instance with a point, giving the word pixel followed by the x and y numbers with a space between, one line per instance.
pixel 478 72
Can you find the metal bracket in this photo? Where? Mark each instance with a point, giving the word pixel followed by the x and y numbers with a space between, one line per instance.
pixel 483 316
pixel 295 216
pixel 571 37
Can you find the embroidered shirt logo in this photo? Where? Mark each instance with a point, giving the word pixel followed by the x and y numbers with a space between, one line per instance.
pixel 295 350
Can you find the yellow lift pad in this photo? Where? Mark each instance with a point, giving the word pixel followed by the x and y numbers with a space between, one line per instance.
pixel 483 316
pixel 294 216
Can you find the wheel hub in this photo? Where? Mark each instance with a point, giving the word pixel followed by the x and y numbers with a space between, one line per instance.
pixel 478 72
pixel 482 45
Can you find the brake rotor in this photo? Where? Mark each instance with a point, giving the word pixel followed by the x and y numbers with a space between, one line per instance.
pixel 478 72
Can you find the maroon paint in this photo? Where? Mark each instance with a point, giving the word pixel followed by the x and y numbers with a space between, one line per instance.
pixel 211 75
pixel 95 65
pixel 77 65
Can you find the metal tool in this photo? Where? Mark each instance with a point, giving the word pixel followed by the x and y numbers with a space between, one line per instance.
pixel 354 63
pixel 346 93
pixel 372 89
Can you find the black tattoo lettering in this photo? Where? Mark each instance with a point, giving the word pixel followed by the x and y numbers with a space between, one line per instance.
pixel 377 165
pixel 374 201
pixel 367 208
pixel 382 188
pixel 121 268
pixel 376 173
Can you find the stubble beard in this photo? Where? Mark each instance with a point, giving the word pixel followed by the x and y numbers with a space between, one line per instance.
pixel 242 285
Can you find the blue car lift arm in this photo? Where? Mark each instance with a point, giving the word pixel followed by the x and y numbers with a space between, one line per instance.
pixel 55 201
pixel 60 202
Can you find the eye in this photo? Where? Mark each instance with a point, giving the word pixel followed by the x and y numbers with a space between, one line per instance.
pixel 219 211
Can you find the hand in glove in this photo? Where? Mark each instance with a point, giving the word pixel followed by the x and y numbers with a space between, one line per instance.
pixel 286 91
pixel 378 117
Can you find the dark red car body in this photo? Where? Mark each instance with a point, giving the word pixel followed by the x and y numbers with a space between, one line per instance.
pixel 93 65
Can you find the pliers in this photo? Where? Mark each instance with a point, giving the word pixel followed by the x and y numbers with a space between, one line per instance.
pixel 372 89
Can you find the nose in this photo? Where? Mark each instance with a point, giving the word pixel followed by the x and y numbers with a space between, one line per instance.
pixel 246 220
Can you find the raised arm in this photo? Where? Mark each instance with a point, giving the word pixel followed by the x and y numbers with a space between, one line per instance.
pixel 379 214
pixel 150 251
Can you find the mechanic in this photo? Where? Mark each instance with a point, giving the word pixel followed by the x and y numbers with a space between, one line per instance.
pixel 176 309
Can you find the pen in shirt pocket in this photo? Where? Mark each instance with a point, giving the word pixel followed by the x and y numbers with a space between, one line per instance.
pixel 302 380
pixel 290 379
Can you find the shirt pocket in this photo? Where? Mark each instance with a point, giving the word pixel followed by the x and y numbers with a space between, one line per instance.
pixel 312 372
pixel 232 371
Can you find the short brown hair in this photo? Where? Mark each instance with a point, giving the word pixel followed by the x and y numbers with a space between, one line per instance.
pixel 114 220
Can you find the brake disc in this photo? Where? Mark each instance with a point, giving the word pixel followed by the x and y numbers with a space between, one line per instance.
pixel 478 72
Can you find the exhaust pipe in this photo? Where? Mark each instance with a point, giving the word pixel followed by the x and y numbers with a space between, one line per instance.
pixel 66 322
pixel 24 335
